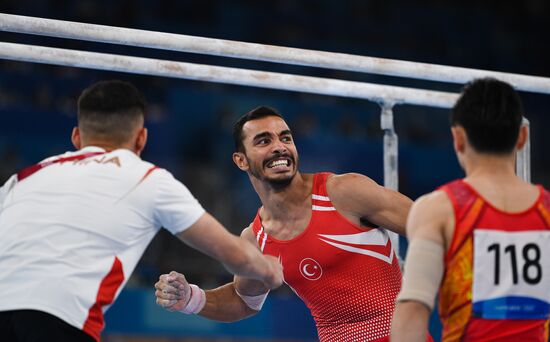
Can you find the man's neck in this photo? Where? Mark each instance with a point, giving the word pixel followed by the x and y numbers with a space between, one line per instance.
pixel 490 167
pixel 287 203
pixel 107 146
pixel 494 178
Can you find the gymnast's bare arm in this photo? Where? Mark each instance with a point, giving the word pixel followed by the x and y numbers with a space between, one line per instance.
pixel 359 198
pixel 222 304
pixel 239 256
pixel 431 219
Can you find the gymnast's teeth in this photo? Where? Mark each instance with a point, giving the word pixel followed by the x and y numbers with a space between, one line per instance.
pixel 280 162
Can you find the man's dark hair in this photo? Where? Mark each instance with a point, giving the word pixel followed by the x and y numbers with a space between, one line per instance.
pixel 256 113
pixel 490 111
pixel 110 110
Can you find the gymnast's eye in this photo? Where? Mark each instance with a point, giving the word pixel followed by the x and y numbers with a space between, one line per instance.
pixel 286 138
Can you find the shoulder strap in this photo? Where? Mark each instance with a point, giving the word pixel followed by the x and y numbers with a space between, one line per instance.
pixel 320 184
pixel 544 206
pixel 319 196
pixel 467 207
pixel 461 196
pixel 259 232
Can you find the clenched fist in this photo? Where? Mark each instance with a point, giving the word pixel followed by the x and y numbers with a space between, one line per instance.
pixel 173 291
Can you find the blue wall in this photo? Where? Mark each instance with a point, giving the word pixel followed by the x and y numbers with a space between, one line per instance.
pixel 136 313
pixel 282 318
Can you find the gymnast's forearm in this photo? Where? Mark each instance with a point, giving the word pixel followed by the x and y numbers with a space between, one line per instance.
pixel 224 305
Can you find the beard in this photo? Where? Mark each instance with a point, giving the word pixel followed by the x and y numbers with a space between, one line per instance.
pixel 278 183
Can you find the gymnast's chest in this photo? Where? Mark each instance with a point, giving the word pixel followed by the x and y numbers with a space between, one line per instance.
pixel 319 252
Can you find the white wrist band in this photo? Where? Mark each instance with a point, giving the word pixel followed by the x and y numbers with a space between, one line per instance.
pixel 253 302
pixel 196 302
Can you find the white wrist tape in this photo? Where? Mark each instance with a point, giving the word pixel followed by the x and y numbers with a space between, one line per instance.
pixel 196 302
pixel 424 267
pixel 253 302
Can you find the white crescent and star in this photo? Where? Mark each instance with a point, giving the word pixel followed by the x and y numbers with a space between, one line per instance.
pixel 306 272
pixel 310 269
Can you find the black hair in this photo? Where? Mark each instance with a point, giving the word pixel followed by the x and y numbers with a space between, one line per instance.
pixel 256 113
pixel 111 110
pixel 490 111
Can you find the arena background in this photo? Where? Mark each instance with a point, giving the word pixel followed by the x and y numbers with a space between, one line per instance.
pixel 190 122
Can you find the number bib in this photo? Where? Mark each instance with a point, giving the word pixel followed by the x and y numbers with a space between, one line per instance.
pixel 511 274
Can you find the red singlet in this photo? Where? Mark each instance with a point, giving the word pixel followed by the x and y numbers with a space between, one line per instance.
pixel 496 285
pixel 348 276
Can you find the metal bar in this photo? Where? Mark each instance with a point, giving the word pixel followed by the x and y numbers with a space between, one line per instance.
pixel 269 53
pixel 523 157
pixel 390 147
pixel 391 174
pixel 156 67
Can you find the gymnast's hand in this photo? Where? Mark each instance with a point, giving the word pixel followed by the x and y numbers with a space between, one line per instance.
pixel 173 291
pixel 275 278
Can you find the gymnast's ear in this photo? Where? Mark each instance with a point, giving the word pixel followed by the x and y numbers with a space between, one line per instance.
pixel 459 138
pixel 240 160
pixel 522 137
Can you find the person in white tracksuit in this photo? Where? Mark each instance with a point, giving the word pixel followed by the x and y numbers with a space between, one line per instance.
pixel 73 227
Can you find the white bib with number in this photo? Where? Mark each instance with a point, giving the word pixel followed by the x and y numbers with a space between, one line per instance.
pixel 511 274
